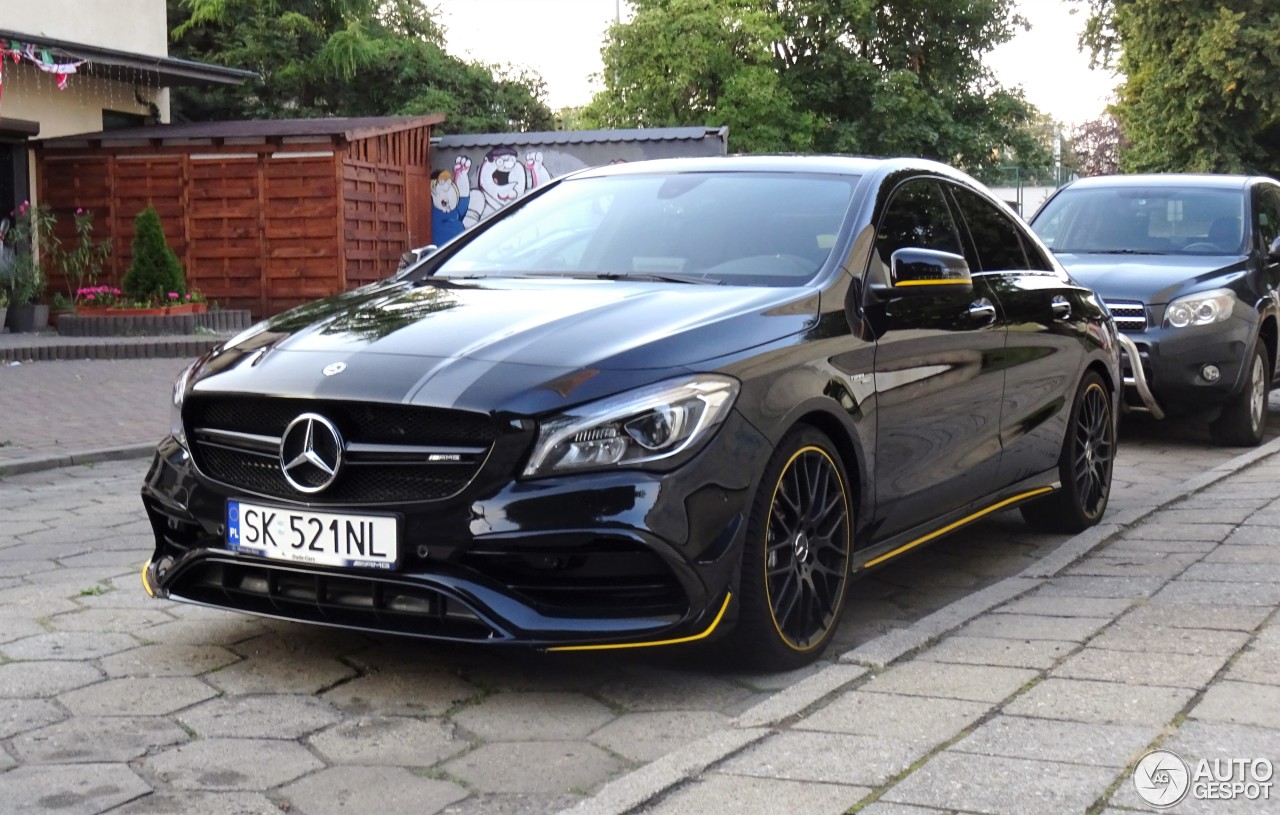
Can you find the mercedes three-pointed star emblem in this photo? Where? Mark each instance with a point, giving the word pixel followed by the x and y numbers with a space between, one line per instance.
pixel 311 453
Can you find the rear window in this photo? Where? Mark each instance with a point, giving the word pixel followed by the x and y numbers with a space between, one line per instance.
pixel 1144 220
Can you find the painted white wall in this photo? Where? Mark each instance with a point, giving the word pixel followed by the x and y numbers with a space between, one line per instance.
pixel 33 95
pixel 137 26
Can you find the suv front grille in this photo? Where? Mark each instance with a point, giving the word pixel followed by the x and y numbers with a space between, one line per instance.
pixel 392 454
pixel 1130 317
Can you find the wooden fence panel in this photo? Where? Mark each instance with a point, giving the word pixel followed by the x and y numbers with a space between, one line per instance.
pixel 224 236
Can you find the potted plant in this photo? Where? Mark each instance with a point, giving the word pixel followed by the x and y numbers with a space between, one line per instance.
pixel 81 261
pixel 4 306
pixel 155 276
pixel 59 308
pixel 31 240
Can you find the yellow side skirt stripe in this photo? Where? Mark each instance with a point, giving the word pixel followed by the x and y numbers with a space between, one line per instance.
pixel 968 519
pixel 710 628
pixel 146 585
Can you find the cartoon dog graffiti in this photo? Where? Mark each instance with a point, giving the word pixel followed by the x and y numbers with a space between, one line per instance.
pixel 450 201
pixel 502 180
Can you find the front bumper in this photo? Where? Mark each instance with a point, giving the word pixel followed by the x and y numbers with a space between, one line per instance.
pixel 614 559
pixel 1163 367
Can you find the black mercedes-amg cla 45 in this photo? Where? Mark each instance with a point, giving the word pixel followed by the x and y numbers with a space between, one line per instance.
pixel 647 404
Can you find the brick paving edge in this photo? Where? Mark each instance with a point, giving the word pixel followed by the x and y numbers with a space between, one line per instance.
pixel 629 792
pixel 34 464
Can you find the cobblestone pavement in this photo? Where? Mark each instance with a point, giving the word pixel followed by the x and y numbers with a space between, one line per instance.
pixel 110 701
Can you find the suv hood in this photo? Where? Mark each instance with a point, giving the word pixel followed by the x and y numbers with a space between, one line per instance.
pixel 487 344
pixel 1152 279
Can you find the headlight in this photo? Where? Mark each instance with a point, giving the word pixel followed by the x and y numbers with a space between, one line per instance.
pixel 1202 308
pixel 644 425
pixel 175 404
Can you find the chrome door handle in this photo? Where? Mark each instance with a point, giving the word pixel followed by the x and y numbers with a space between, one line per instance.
pixel 983 311
pixel 1061 308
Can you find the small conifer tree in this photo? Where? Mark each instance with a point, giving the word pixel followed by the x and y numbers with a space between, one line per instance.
pixel 155 270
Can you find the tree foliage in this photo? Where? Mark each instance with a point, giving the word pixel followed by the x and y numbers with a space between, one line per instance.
pixel 345 58
pixel 1200 92
pixel 849 76
pixel 155 270
pixel 1096 145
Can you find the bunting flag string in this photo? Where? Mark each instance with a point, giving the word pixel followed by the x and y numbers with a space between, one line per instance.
pixel 42 59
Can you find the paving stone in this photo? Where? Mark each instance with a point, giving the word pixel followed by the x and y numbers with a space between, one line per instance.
pixel 886 808
pixel 1101 745
pixel 1209 513
pixel 1226 618
pixel 83 789
pixel 168 660
pixel 88 739
pixel 1240 703
pixel 733 795
pixel 1158 530
pixel 298 674
pixel 293 641
pixel 200 803
pixel 1205 592
pixel 1260 666
pixel 129 620
pixel 20 715
pixel 74 645
pixel 1255 572
pixel 1133 638
pixel 418 694
pixel 511 803
pixel 1034 627
pixel 39 679
pixel 384 790
pixel 833 758
pixel 534 766
pixel 534 716
pixel 17 628
pixel 1167 546
pixel 1243 554
pixel 1091 586
pixel 1039 654
pixel 646 736
pixel 231 764
pixel 667 690
pixel 1169 670
pixel 1253 535
pixel 1119 564
pixel 1083 700
pixel 1001 785
pixel 928 721
pixel 397 741
pixel 136 697
pixel 978 683
pixel 273 716
pixel 227 630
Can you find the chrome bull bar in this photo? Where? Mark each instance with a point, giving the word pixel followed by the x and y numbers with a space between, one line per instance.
pixel 1137 379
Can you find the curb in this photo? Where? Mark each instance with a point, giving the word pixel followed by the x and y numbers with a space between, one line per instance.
pixel 110 348
pixel 36 464
pixel 644 784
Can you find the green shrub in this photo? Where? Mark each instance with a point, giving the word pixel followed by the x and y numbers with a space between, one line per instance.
pixel 155 270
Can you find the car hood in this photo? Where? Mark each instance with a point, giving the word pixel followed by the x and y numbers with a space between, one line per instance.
pixel 1151 279
pixel 488 344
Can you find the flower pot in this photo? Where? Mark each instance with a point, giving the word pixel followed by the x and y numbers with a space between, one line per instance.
pixel 92 311
pixel 139 312
pixel 56 316
pixel 27 318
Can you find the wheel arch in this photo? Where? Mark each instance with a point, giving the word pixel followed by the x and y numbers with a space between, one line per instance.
pixel 850 451
pixel 1267 335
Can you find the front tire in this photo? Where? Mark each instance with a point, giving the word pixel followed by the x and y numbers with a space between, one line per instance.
pixel 795 561
pixel 1243 421
pixel 1084 466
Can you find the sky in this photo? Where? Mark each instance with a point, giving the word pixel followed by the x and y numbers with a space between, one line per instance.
pixel 561 39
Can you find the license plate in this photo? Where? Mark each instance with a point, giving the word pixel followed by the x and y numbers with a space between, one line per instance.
pixel 324 538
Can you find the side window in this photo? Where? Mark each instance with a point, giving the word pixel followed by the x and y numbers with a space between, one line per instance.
pixel 1268 216
pixel 918 217
pixel 1036 260
pixel 995 236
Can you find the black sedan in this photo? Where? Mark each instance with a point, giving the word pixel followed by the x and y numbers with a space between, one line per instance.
pixel 652 403
pixel 1190 267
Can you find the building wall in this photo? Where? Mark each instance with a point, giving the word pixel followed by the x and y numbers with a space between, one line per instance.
pixel 33 95
pixel 137 26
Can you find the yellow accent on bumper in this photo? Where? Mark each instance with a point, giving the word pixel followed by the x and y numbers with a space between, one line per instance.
pixel 956 525
pixel 146 585
pixel 691 638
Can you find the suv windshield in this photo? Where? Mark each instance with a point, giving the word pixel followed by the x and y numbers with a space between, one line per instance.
pixel 1144 220
pixel 762 229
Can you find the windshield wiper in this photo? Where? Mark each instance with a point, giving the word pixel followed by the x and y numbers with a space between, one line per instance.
pixel 661 277
pixel 1107 252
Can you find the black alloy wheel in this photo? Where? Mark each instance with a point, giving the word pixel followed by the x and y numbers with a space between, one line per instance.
pixel 1084 466
pixel 796 562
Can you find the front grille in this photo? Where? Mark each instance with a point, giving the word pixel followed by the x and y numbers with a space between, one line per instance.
pixel 393 453
pixel 611 577
pixel 370 603
pixel 1130 317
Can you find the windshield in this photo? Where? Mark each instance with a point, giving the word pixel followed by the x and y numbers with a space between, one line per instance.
pixel 1144 220
pixel 763 229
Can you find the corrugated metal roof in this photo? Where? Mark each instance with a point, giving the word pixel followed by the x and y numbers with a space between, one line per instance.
pixel 349 128
pixel 556 137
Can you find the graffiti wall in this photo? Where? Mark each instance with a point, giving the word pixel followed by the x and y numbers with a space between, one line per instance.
pixel 475 176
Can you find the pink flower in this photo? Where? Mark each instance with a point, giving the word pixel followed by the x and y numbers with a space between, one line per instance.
pixel 173 295
pixel 79 211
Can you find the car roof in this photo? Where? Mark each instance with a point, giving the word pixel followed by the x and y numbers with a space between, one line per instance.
pixel 1201 180
pixel 838 165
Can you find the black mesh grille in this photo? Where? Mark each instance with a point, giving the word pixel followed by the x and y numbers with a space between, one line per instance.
pixel 403 480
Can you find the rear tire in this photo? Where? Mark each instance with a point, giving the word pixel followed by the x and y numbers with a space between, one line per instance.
pixel 795 561
pixel 1243 421
pixel 1084 466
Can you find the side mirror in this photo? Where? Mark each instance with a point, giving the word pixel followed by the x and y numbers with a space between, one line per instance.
pixel 414 255
pixel 926 272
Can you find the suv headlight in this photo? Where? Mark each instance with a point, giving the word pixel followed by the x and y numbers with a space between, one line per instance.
pixel 175 404
pixel 1202 308
pixel 641 426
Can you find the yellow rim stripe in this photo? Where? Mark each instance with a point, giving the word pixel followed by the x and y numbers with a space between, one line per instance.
pixel 707 633
pixel 944 530
pixel 146 585
pixel 942 281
